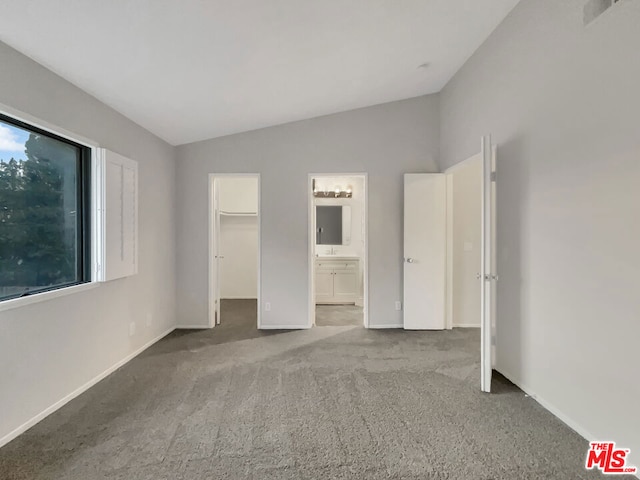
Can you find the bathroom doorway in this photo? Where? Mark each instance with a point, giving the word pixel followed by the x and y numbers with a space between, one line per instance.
pixel 338 250
pixel 234 250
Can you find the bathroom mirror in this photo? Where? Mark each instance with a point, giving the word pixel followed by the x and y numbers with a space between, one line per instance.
pixel 333 225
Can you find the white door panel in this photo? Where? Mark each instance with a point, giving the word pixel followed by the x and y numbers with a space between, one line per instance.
pixel 424 251
pixel 488 273
pixel 217 252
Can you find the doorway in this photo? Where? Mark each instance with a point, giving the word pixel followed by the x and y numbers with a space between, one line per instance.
pixel 338 250
pixel 450 263
pixel 471 251
pixel 234 250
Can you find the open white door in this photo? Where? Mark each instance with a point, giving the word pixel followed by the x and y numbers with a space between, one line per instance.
pixel 488 275
pixel 217 257
pixel 425 206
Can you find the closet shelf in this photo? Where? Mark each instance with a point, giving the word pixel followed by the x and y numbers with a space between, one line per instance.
pixel 238 214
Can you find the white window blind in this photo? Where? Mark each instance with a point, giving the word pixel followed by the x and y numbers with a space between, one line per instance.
pixel 118 211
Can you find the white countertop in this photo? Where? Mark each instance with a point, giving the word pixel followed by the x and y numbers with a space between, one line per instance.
pixel 337 257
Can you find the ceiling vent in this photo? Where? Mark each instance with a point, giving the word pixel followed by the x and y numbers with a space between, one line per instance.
pixel 594 8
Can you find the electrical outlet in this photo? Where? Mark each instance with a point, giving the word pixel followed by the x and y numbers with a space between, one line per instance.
pixel 132 329
pixel 398 305
pixel 149 319
pixel 267 306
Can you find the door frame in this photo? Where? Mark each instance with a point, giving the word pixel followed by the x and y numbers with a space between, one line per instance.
pixel 211 237
pixel 312 243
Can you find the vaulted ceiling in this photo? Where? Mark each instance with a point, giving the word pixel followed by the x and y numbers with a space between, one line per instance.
pixel 188 70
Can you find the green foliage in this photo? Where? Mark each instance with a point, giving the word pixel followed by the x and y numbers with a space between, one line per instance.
pixel 37 215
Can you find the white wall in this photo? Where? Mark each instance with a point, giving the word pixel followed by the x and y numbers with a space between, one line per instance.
pixel 467 233
pixel 563 104
pixel 50 349
pixel 385 141
pixel 238 237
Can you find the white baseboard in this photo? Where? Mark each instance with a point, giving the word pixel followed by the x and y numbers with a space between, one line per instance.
pixel 564 418
pixel 568 421
pixel 238 298
pixel 381 327
pixel 559 414
pixel 62 402
pixel 466 325
pixel 193 327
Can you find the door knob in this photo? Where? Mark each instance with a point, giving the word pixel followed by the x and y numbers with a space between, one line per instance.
pixel 410 260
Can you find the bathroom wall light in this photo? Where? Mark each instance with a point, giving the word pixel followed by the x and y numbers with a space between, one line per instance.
pixel 337 192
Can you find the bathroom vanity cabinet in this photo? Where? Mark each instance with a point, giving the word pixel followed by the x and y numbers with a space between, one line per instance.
pixel 337 280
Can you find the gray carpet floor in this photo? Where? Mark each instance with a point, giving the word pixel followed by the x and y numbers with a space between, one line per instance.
pixel 326 403
pixel 339 316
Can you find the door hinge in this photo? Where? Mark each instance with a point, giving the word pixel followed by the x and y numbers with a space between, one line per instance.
pixel 494 176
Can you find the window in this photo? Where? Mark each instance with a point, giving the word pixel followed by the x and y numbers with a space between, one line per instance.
pixel 44 210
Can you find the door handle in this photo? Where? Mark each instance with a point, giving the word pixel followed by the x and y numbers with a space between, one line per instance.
pixel 487 277
pixel 409 260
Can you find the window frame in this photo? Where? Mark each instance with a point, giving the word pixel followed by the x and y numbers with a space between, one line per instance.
pixel 84 217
